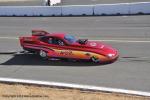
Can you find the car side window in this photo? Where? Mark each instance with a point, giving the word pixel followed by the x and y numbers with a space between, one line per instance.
pixel 52 40
pixel 44 39
pixel 55 41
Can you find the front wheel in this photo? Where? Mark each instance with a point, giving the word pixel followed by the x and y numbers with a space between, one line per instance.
pixel 95 59
pixel 43 54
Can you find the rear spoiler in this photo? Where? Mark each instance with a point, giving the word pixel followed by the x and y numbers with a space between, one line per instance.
pixel 39 33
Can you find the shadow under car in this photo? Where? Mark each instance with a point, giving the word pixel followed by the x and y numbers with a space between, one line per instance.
pixel 36 60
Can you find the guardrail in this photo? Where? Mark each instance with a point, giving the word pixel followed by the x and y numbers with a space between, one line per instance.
pixel 78 10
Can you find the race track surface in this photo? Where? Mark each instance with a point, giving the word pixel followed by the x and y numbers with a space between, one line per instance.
pixel 129 34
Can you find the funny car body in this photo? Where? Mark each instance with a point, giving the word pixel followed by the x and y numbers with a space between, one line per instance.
pixel 61 45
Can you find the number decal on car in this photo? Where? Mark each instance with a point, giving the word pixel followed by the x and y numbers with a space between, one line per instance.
pixel 93 44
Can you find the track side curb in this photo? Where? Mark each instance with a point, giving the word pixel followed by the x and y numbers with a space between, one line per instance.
pixel 74 86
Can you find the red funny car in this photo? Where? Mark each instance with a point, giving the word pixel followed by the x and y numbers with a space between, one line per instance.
pixel 60 45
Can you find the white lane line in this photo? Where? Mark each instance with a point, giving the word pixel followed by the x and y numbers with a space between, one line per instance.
pixel 124 41
pixel 76 86
pixel 13 0
pixel 103 40
pixel 9 38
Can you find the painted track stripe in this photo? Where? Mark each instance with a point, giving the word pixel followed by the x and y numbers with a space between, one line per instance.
pixel 76 86
pixel 9 38
pixel 124 41
pixel 102 40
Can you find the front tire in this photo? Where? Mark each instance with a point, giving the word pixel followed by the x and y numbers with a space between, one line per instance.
pixel 43 54
pixel 95 59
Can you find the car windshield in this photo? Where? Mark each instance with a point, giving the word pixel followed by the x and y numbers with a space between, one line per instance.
pixel 70 38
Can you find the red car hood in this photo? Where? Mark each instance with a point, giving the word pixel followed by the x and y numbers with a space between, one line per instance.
pixel 101 48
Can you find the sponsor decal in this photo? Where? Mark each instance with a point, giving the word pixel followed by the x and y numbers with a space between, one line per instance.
pixel 66 52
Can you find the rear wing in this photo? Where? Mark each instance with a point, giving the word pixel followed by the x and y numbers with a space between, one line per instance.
pixel 39 33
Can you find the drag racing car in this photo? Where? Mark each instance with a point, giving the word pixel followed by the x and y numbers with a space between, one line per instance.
pixel 61 45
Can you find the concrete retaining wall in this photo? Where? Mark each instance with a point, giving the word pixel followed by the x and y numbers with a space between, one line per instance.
pixel 29 11
pixel 111 9
pixel 78 10
pixel 143 7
